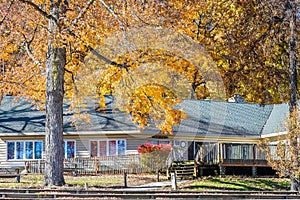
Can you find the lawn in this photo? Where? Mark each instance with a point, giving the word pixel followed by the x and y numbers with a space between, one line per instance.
pixel 117 181
pixel 237 183
pixel 96 181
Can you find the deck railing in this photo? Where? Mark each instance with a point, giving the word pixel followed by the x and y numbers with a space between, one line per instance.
pixel 243 162
pixel 98 165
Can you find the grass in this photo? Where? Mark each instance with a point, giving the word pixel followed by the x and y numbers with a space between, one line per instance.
pixel 238 183
pixel 96 181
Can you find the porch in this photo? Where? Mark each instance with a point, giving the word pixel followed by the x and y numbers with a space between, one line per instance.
pixel 213 158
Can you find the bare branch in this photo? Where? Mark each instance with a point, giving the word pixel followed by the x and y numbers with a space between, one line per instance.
pixel 30 77
pixel 2 20
pixel 37 8
pixel 29 53
pixel 116 17
pixel 73 79
pixel 142 20
pixel 108 61
pixel 101 57
pixel 82 12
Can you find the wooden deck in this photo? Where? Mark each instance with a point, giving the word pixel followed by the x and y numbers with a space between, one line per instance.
pixel 243 163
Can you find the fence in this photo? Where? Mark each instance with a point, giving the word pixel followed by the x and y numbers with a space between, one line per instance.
pixel 98 165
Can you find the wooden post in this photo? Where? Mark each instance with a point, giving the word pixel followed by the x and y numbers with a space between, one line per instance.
pixel 220 157
pixel 96 166
pixel 86 186
pixel 222 170
pixel 125 179
pixel 39 167
pixel 200 171
pixel 18 177
pixel 173 181
pixel 254 153
pixel 254 171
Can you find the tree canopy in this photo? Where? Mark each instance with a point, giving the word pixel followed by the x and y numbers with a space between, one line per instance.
pixel 45 42
pixel 249 41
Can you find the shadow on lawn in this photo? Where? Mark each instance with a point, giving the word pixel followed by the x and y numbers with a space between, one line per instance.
pixel 238 184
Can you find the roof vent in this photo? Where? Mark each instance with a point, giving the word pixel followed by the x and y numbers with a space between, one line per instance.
pixel 236 98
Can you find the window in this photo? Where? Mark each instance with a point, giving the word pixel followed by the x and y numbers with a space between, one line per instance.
pixel 103 148
pixel 94 148
pixel 24 150
pixel 107 147
pixel 69 148
pixel 156 142
pixel 238 151
pixel 112 147
pixel 121 147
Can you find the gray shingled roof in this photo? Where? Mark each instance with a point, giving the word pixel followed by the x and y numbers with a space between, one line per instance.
pixel 223 118
pixel 22 117
pixel 204 118
pixel 18 116
pixel 276 120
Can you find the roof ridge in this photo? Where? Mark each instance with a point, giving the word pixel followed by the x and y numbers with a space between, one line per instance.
pixel 265 123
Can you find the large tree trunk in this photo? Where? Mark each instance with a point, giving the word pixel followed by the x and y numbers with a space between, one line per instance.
pixel 291 13
pixel 56 60
pixel 54 118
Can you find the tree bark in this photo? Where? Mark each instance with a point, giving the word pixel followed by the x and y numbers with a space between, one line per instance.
pixel 55 63
pixel 291 13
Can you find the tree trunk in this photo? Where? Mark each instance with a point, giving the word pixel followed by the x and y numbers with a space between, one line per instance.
pixel 294 185
pixel 54 118
pixel 291 13
pixel 55 63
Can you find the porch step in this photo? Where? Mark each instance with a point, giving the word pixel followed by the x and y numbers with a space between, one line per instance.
pixel 183 169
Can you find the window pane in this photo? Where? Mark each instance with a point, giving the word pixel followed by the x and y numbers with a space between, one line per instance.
pixel 112 147
pixel 70 149
pixel 19 150
pixel 121 147
pixel 29 150
pixel 94 148
pixel 103 148
pixel 164 142
pixel 38 149
pixel 156 142
pixel 10 150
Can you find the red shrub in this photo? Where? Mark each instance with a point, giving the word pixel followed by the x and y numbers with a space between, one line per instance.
pixel 148 147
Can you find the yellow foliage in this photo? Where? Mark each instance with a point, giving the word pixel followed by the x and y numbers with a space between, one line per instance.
pixel 283 151
pixel 156 102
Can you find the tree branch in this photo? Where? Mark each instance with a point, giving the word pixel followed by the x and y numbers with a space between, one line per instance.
pixel 73 79
pixel 37 8
pixel 101 57
pixel 2 20
pixel 28 51
pixel 21 84
pixel 30 77
pixel 82 12
pixel 116 17
pixel 108 61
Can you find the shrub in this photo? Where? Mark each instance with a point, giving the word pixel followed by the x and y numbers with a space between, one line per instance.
pixel 154 156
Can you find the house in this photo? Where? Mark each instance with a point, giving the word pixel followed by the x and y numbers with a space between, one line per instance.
pixel 220 136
